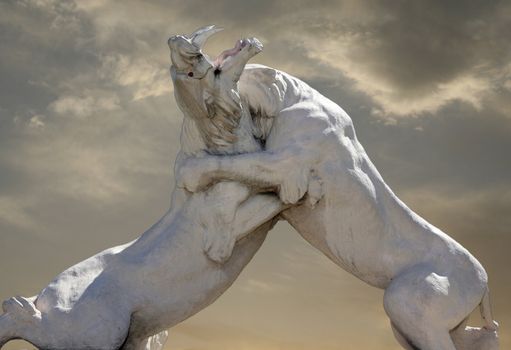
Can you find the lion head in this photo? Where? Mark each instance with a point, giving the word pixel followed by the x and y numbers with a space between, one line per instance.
pixel 206 90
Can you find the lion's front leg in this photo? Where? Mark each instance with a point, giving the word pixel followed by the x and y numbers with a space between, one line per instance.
pixel 229 213
pixel 283 172
pixel 216 216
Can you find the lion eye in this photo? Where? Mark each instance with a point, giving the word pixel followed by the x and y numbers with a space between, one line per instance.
pixel 190 74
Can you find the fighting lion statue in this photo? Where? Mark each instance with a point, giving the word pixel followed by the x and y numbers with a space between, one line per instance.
pixel 258 145
pixel 311 157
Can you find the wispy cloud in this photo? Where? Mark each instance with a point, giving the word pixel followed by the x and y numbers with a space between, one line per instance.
pixel 83 106
pixel 143 78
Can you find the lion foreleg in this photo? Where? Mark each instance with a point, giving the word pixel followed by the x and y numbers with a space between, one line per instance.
pixel 256 211
pixel 217 215
pixel 279 171
pixel 230 214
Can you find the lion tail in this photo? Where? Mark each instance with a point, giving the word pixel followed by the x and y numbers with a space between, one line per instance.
pixel 486 313
pixel 475 338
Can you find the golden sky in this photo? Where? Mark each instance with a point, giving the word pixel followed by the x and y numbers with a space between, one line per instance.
pixel 89 132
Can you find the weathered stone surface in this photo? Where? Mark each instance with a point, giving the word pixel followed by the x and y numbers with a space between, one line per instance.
pixel 259 145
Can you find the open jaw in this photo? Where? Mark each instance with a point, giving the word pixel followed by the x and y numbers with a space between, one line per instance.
pixel 226 55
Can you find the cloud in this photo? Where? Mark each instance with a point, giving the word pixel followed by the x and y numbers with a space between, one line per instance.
pixel 36 122
pixel 392 100
pixel 258 286
pixel 143 77
pixel 83 106
pixel 13 212
pixel 410 60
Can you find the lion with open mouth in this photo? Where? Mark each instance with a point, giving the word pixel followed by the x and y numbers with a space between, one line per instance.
pixel 257 145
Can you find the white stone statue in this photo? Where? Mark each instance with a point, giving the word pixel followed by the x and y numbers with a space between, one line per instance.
pixel 309 147
pixel 127 296
pixel 244 138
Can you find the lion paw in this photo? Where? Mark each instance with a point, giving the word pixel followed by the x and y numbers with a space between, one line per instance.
pixel 218 246
pixel 193 175
pixel 294 186
pixel 315 191
pixel 21 307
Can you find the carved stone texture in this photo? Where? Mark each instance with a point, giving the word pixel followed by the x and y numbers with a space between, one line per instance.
pixel 258 145
pixel 339 203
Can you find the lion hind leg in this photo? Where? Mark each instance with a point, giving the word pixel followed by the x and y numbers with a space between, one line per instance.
pixel 486 313
pixel 478 338
pixel 401 339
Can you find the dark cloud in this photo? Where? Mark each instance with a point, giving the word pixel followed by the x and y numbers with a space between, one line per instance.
pixel 431 42
pixel 410 57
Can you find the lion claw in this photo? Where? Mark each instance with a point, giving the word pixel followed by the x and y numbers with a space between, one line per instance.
pixel 22 307
pixel 218 246
pixel 293 189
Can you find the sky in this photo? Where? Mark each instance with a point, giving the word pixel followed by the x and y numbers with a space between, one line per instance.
pixel 89 133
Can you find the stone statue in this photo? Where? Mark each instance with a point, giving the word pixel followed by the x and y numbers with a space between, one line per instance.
pixel 249 133
pixel 431 282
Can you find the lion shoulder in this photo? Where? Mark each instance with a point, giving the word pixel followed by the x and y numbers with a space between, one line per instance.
pixel 264 89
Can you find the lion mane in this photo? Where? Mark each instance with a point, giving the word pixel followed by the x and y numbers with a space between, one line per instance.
pixel 216 111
